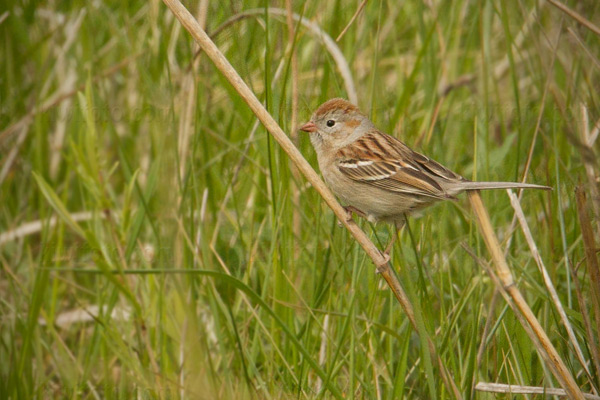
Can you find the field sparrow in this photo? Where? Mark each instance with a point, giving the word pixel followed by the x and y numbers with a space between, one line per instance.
pixel 376 175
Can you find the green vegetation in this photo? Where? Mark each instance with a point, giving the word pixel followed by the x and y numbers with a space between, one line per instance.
pixel 171 260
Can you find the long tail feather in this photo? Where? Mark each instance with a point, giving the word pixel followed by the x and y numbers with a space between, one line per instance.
pixel 501 185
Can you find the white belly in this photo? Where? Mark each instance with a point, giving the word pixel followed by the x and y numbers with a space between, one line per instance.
pixel 378 204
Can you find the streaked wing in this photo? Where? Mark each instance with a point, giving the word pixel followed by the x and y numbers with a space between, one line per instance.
pixel 384 161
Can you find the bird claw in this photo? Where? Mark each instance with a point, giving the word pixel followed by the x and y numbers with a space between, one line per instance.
pixel 383 265
pixel 353 210
pixel 349 212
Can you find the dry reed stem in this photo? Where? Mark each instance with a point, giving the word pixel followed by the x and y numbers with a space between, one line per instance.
pixel 519 389
pixel 32 227
pixel 356 13
pixel 576 16
pixel 223 65
pixel 543 344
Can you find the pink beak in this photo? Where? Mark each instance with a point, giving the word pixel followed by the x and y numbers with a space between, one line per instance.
pixel 309 127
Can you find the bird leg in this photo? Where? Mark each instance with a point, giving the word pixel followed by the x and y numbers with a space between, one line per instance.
pixel 353 210
pixel 397 227
pixel 388 248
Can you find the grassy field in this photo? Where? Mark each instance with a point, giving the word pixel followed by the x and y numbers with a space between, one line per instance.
pixel 156 243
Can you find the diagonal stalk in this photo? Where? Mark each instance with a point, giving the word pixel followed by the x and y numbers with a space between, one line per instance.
pixel 223 65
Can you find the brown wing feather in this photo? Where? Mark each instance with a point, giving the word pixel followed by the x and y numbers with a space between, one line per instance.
pixel 384 161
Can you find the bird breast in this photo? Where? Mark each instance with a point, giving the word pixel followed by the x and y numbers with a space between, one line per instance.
pixel 378 204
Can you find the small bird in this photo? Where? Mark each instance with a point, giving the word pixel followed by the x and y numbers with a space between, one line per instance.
pixel 376 175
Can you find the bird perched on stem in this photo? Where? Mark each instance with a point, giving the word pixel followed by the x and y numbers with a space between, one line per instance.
pixel 376 175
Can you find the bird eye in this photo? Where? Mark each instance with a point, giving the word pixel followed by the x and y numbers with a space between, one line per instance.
pixel 330 123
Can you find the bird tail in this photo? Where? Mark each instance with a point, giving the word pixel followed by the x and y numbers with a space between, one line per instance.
pixel 501 185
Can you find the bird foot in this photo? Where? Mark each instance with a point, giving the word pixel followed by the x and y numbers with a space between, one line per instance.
pixel 349 212
pixel 353 210
pixel 383 265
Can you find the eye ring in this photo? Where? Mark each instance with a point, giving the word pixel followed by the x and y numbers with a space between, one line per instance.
pixel 330 123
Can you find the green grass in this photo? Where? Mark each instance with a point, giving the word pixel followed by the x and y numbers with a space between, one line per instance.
pixel 220 298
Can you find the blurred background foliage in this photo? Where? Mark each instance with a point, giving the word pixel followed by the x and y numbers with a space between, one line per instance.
pixel 155 243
